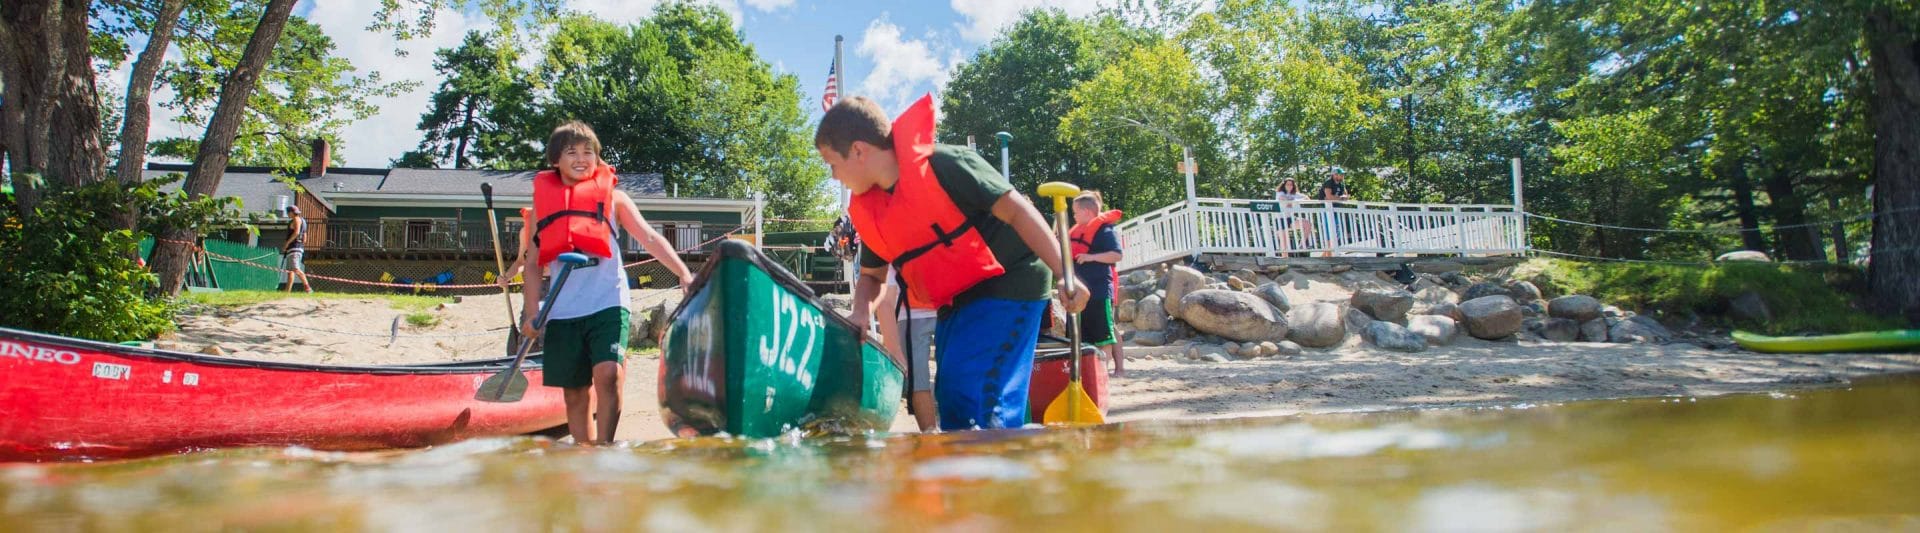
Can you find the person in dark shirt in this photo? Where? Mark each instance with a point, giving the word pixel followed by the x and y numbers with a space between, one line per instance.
pixel 1335 190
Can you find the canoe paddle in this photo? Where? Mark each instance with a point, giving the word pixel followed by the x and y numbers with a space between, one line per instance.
pixel 1073 406
pixel 499 265
pixel 510 385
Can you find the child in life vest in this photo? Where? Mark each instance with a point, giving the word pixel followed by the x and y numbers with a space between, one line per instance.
pixel 1096 249
pixel 962 240
pixel 575 209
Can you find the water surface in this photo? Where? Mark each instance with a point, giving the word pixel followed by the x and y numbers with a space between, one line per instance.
pixel 1839 459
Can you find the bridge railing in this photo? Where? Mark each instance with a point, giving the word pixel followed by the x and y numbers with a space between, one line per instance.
pixel 1269 228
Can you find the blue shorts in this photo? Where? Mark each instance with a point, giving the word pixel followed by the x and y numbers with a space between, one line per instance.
pixel 985 351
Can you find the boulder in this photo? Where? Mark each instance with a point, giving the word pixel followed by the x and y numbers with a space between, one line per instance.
pixel 1449 310
pixel 1750 307
pixel 1454 279
pixel 1594 330
pixel 1523 291
pixel 1272 293
pixel 1302 283
pixel 1424 282
pixel 1288 348
pixel 657 318
pixel 1340 268
pixel 1150 338
pixel 1127 310
pixel 1576 307
pixel 1270 348
pixel 1233 315
pixel 1211 353
pixel 1491 317
pixel 640 328
pixel 1639 329
pixel 214 350
pixel 1483 289
pixel 1232 348
pixel 1316 324
pixel 1533 309
pixel 1745 255
pixel 1180 281
pixel 1383 304
pixel 1356 321
pixel 1249 276
pixel 1150 316
pixel 1560 330
pixel 1139 277
pixel 1237 284
pixel 1438 330
pixel 1391 336
pixel 1434 295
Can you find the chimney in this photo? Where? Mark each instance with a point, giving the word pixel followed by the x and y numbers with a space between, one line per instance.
pixel 322 153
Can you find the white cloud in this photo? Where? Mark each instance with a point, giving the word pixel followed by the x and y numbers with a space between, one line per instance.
pixel 985 19
pixel 770 5
pixel 901 65
pixel 384 136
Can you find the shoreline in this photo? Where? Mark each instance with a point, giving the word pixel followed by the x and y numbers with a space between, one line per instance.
pixel 1161 382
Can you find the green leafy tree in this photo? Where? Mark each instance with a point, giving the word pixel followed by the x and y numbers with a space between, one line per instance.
pixel 482 115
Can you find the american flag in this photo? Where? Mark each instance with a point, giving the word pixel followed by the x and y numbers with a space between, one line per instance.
pixel 833 88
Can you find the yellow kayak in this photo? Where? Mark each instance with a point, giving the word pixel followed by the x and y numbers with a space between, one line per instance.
pixel 1869 341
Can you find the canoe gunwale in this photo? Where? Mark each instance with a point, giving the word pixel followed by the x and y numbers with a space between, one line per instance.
pixel 452 367
pixel 733 249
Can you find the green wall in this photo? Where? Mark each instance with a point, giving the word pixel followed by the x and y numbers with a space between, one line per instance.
pixel 233 275
pixel 475 214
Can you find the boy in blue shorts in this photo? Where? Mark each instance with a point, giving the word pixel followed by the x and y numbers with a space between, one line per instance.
pixel 962 240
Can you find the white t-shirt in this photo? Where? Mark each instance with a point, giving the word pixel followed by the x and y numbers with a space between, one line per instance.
pixel 589 289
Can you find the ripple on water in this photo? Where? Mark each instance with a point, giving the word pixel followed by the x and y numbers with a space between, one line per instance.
pixel 973 468
pixel 1301 440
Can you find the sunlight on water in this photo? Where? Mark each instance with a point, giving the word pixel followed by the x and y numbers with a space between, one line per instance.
pixel 1841 459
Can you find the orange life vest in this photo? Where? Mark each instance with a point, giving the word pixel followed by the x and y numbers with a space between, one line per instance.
pixel 1081 236
pixel 937 250
pixel 573 218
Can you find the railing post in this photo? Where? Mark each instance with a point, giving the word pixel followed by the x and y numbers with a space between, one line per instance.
pixel 1520 206
pixel 759 215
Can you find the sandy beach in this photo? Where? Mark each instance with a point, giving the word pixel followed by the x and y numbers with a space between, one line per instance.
pixel 1161 383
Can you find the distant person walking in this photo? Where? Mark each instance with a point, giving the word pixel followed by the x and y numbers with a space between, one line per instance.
pixel 293 252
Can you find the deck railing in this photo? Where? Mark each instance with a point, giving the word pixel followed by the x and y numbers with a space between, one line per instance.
pixel 1268 228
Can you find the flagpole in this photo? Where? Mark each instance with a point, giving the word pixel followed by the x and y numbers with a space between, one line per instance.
pixel 840 78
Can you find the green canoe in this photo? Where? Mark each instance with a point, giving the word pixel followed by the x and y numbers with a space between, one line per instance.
pixel 753 353
pixel 1871 341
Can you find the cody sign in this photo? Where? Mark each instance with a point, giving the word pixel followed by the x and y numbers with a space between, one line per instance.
pixel 38 353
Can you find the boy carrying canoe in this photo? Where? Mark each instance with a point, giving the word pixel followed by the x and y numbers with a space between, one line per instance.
pixel 1096 249
pixel 961 240
pixel 575 206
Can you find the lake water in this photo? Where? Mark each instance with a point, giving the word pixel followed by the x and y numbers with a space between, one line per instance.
pixel 1834 460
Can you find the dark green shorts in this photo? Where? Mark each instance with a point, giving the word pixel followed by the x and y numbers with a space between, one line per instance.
pixel 574 345
pixel 1096 322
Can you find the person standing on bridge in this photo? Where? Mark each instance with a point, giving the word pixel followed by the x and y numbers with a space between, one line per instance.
pixel 1335 190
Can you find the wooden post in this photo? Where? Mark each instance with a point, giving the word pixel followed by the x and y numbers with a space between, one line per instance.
pixel 759 216
pixel 1520 206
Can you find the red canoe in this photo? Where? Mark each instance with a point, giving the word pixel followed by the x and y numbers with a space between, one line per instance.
pixel 65 399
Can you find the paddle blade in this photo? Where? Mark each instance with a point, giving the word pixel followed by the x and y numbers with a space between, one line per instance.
pixel 505 387
pixel 1073 408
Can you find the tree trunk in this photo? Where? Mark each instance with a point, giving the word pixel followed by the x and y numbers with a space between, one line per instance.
pixel 50 122
pixel 466 132
pixel 1842 252
pixel 171 250
pixel 1893 274
pixel 1750 236
pixel 1789 209
pixel 133 130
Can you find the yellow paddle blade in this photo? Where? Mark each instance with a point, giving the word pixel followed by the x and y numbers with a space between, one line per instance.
pixel 1074 408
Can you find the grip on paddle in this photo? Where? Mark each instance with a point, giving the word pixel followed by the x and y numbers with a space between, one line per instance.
pixel 486 193
pixel 1060 191
pixel 574 258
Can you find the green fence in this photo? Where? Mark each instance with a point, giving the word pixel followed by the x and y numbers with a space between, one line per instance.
pixel 229 274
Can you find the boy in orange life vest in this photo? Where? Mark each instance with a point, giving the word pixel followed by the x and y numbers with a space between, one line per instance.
pixel 1096 249
pixel 575 206
pixel 962 240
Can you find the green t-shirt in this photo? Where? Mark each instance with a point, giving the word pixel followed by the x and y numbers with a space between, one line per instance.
pixel 974 186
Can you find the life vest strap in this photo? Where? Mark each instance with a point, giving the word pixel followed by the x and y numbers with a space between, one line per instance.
pixel 599 216
pixel 941 237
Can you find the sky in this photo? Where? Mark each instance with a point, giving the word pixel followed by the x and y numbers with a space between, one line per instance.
pixel 894 52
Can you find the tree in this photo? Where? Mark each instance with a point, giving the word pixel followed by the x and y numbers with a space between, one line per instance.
pixel 681 94
pixel 1143 110
pixel 49 112
pixel 1893 41
pixel 1020 83
pixel 172 247
pixel 482 112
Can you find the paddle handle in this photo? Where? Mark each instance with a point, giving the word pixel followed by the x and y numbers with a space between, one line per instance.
pixel 546 306
pixel 1060 192
pixel 499 264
